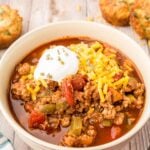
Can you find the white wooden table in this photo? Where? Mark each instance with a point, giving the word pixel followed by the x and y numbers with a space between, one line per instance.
pixel 39 12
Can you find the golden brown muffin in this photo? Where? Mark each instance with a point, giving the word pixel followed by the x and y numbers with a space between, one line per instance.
pixel 10 26
pixel 140 18
pixel 116 12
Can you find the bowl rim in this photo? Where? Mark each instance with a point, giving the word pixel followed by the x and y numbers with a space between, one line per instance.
pixel 41 142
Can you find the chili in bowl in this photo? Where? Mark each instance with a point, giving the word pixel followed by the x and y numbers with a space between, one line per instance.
pixel 77 89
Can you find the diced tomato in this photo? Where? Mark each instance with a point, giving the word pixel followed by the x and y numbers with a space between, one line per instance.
pixel 115 132
pixel 35 119
pixel 68 91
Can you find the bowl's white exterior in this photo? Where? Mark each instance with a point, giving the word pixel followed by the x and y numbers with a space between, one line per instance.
pixel 37 37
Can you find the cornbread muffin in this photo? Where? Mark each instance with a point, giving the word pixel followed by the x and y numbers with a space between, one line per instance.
pixel 140 18
pixel 116 12
pixel 10 26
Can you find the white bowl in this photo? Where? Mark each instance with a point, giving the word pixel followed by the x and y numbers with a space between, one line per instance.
pixel 37 37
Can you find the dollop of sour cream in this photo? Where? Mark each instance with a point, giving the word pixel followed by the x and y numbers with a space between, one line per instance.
pixel 56 63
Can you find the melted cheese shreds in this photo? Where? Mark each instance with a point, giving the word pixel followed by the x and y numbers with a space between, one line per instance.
pixel 100 65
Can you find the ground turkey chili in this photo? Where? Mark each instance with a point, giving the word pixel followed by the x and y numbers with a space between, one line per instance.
pixel 96 105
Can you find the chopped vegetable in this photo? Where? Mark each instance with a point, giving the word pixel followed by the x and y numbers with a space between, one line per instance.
pixel 76 126
pixel 35 119
pixel 132 98
pixel 68 91
pixel 107 123
pixel 48 108
pixel 61 105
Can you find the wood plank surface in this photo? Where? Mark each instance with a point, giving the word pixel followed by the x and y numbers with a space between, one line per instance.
pixel 36 13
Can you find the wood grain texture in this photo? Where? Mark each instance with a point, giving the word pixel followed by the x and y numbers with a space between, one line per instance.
pixel 36 13
pixel 67 10
pixel 39 13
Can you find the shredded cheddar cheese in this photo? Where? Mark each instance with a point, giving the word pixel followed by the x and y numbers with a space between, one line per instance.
pixel 43 82
pixel 100 67
pixel 33 91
